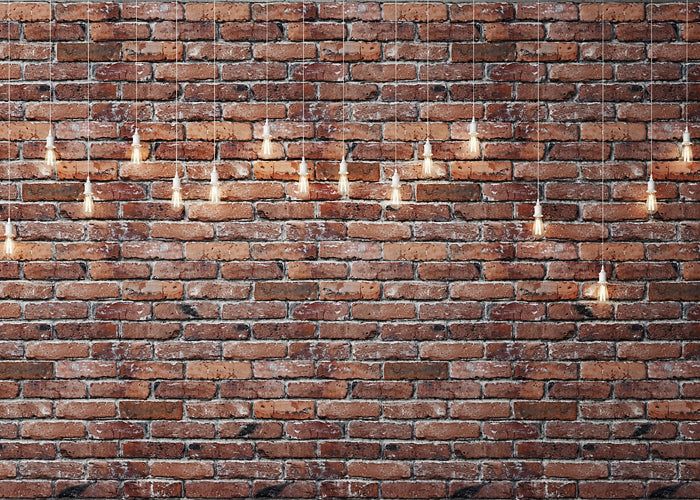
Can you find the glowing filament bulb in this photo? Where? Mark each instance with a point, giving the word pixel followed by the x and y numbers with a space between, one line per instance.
pixel 214 187
pixel 50 156
pixel 303 183
pixel 343 184
pixel 538 225
pixel 427 159
pixel 474 145
pixel 651 196
pixel 9 239
pixel 176 197
pixel 88 198
pixel 395 190
pixel 602 294
pixel 266 149
pixel 686 147
pixel 136 148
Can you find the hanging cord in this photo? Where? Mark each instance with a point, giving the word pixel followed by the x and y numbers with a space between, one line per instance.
pixel 89 82
pixel 216 72
pixel 136 65
pixel 267 59
pixel 473 61
pixel 303 80
pixel 602 135
pixel 396 81
pixel 9 113
pixel 651 86
pixel 538 99
pixel 50 65
pixel 343 70
pixel 427 66
pixel 687 60
pixel 177 89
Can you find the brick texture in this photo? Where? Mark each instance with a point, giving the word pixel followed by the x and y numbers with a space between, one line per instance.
pixel 276 347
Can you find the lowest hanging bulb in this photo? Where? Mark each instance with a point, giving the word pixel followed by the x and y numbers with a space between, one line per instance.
pixel 686 147
pixel 176 196
pixel 395 199
pixel 427 159
pixel 474 145
pixel 50 156
pixel 136 158
pixel 9 239
pixel 343 184
pixel 88 198
pixel 214 187
pixel 266 149
pixel 602 293
pixel 303 182
pixel 651 196
pixel 538 225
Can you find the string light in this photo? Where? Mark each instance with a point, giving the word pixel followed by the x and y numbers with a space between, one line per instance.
pixel 427 148
pixel 395 191
pixel 602 292
pixel 266 148
pixel 214 184
pixel 687 144
pixel 303 182
pixel 651 204
pixel 176 196
pixel 50 159
pixel 136 156
pixel 9 229
pixel 343 184
pixel 538 225
pixel 88 196
pixel 474 143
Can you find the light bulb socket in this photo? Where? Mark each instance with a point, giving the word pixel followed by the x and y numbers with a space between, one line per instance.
pixel 50 144
pixel 427 149
pixel 176 181
pixel 395 179
pixel 303 168
pixel 651 185
pixel 136 139
pixel 214 177
pixel 266 129
pixel 472 127
pixel 602 276
pixel 538 209
pixel 9 229
pixel 686 138
pixel 87 190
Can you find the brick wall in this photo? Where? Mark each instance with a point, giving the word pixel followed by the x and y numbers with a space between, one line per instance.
pixel 283 348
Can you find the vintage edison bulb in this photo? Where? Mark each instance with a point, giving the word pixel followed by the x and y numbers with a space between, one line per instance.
pixel 538 225
pixel 214 187
pixel 602 294
pixel 176 197
pixel 50 156
pixel 427 159
pixel 88 198
pixel 136 158
pixel 9 239
pixel 266 148
pixel 343 184
pixel 303 183
pixel 395 199
pixel 474 145
pixel 651 196
pixel 686 147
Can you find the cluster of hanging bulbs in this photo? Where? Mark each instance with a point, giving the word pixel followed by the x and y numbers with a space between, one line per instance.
pixel 343 185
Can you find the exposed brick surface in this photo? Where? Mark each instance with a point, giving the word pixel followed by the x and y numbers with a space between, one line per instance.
pixel 277 347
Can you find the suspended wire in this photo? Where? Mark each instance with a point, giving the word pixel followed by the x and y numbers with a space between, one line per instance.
pixel 177 88
pixel 343 74
pixel 216 73
pixel 538 98
pixel 427 66
pixel 473 60
pixel 651 86
pixel 687 60
pixel 267 59
pixel 602 135
pixel 89 82
pixel 50 64
pixel 136 64
pixel 303 79
pixel 9 113
pixel 396 81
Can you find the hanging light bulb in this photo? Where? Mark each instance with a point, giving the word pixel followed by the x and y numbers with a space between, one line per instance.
pixel 303 183
pixel 136 148
pixel 88 198
pixel 395 190
pixel 266 149
pixel 427 159
pixel 538 225
pixel 50 157
pixel 474 145
pixel 176 198
pixel 602 293
pixel 686 147
pixel 343 184
pixel 651 196
pixel 9 239
pixel 214 187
